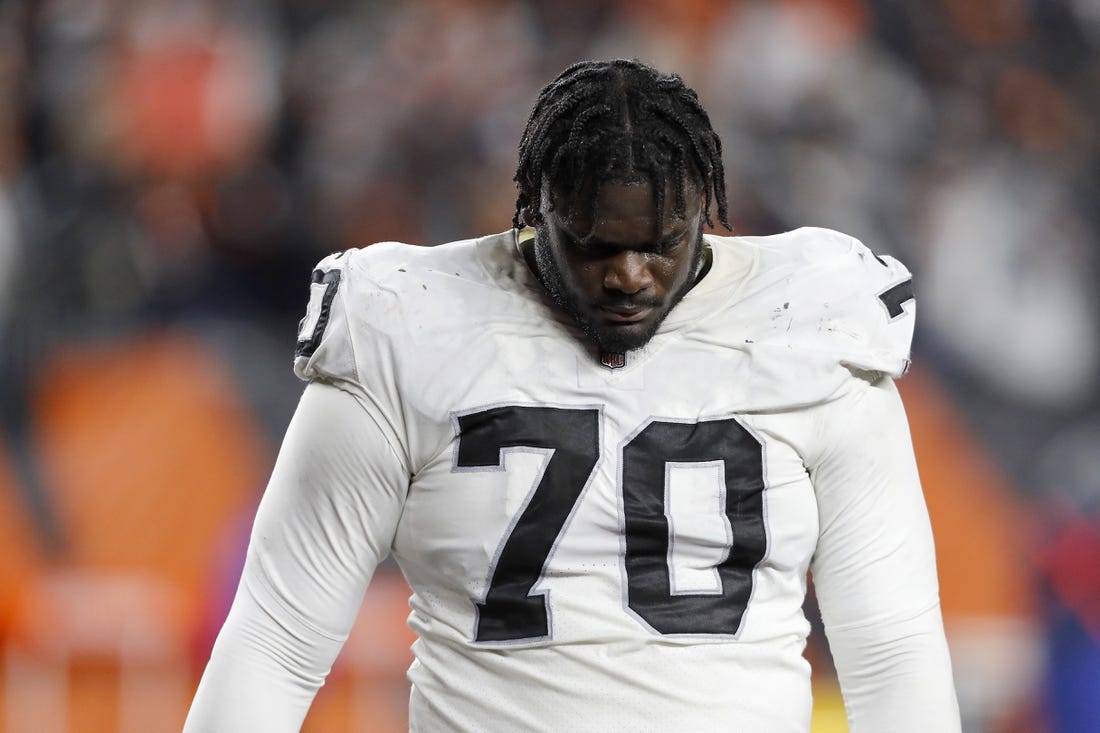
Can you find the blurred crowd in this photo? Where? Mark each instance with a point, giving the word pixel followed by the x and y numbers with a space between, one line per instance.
pixel 181 164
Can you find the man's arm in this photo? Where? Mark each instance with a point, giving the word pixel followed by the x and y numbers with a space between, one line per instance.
pixel 875 572
pixel 326 520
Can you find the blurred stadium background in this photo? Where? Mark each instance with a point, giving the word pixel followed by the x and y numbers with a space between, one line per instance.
pixel 170 170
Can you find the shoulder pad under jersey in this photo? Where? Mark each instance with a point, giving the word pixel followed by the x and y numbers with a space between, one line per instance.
pixel 345 327
pixel 855 305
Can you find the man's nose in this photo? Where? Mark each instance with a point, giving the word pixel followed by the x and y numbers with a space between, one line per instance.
pixel 627 273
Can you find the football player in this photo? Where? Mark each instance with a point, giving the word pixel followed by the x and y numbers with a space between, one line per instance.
pixel 605 448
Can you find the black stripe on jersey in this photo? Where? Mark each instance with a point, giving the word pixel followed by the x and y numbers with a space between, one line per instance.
pixel 894 296
pixel 331 281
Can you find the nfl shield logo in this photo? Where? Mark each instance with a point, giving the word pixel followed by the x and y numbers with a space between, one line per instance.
pixel 612 359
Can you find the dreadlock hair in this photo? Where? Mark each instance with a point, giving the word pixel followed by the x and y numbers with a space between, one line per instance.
pixel 615 121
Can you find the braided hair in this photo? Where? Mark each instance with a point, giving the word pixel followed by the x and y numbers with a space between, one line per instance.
pixel 618 120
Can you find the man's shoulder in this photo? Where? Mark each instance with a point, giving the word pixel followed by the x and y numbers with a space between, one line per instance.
pixel 397 266
pixel 803 247
pixel 390 295
pixel 819 259
pixel 815 290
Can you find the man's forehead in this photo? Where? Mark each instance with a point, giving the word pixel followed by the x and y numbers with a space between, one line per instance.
pixel 596 207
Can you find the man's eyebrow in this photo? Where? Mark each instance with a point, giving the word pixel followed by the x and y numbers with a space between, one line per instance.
pixel 591 241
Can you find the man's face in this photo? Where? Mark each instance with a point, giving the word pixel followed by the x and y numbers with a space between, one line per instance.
pixel 617 276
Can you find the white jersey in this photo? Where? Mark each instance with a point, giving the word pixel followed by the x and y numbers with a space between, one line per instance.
pixel 595 547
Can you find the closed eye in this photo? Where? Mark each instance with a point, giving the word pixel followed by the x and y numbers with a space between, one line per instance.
pixel 668 245
pixel 591 247
pixel 597 249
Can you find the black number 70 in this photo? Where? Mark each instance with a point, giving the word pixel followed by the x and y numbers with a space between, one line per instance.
pixel 509 612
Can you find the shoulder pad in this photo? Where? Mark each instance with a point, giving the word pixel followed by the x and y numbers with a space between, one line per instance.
pixel 844 301
pixel 868 306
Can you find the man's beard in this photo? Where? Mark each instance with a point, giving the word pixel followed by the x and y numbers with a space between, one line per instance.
pixel 607 338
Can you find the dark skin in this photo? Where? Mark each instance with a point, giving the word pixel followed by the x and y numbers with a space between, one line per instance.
pixel 618 276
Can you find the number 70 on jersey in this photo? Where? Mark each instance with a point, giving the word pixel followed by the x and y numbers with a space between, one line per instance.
pixel 509 612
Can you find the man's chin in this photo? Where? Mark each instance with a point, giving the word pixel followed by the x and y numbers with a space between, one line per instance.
pixel 620 339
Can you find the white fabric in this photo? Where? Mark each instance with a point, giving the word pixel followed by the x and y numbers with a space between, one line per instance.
pixel 417 340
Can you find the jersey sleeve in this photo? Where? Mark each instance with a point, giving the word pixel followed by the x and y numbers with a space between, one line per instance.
pixel 349 337
pixel 874 568
pixel 327 518
pixel 325 348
